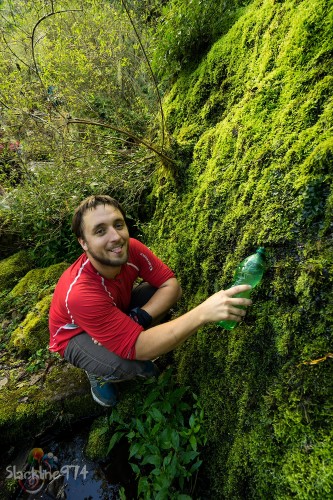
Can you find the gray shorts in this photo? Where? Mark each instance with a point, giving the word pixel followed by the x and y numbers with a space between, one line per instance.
pixel 83 353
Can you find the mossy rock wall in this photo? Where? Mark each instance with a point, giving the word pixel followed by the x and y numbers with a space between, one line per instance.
pixel 33 334
pixel 25 308
pixel 13 268
pixel 253 127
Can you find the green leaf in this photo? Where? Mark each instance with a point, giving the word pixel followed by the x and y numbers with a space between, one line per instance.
pixel 135 450
pixel 163 494
pixel 177 395
pixel 152 459
pixel 153 449
pixel 156 414
pixel 192 420
pixel 115 418
pixel 165 439
pixel 167 459
pixel 195 466
pixel 188 456
pixel 184 406
pixel 152 396
pixel 172 469
pixel 166 407
pixel 156 472
pixel 193 442
pixel 163 482
pixel 175 439
pixel 114 440
pixel 135 468
pixel 122 494
pixel 130 435
pixel 144 487
pixel 103 430
pixel 140 427
pixel 156 429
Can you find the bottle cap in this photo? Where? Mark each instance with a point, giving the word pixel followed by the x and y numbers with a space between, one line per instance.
pixel 261 251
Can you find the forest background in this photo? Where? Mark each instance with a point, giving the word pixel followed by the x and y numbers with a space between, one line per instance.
pixel 212 123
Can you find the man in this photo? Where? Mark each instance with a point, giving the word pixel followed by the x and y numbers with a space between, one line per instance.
pixel 101 322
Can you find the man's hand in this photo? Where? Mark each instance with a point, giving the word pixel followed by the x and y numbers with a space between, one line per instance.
pixel 223 305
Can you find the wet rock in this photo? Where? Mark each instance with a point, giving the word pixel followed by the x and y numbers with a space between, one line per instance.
pixel 3 382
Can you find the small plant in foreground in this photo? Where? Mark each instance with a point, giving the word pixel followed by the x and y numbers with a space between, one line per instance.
pixel 164 440
pixel 38 360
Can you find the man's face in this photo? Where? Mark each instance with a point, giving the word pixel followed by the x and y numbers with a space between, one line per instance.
pixel 105 238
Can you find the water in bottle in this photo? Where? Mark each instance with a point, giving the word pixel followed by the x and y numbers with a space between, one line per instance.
pixel 248 272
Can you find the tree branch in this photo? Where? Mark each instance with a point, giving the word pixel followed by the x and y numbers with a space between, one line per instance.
pixel 12 52
pixel 121 131
pixel 33 45
pixel 3 104
pixel 150 69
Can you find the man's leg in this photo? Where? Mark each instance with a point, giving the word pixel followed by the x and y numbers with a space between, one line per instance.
pixel 82 352
pixel 99 362
pixel 104 368
pixel 141 294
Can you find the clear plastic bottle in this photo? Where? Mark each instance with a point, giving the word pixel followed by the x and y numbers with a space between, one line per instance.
pixel 248 272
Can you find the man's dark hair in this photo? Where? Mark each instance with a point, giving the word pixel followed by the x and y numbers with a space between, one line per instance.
pixel 88 204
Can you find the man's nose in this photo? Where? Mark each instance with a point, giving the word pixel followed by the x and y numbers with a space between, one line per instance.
pixel 113 234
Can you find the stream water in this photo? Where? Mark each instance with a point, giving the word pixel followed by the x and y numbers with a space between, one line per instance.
pixel 81 478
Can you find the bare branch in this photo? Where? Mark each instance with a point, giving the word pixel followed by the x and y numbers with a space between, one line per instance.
pixel 14 21
pixel 4 105
pixel 33 44
pixel 46 123
pixel 12 52
pixel 121 131
pixel 150 69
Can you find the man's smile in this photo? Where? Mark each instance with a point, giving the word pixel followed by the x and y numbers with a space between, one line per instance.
pixel 117 249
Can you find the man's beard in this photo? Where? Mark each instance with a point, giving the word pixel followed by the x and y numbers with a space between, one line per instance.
pixel 109 262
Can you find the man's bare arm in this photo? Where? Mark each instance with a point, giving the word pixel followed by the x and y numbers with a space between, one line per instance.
pixel 163 338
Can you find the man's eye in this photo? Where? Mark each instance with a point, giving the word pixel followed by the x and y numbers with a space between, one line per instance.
pixel 100 231
pixel 120 225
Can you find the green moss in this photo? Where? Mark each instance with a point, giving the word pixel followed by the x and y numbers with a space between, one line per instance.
pixel 255 121
pixel 24 309
pixel 98 440
pixel 13 268
pixel 32 334
pixel 251 129
pixel 37 283
pixel 30 404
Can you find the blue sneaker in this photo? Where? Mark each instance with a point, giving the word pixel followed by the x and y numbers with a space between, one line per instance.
pixel 104 393
pixel 150 370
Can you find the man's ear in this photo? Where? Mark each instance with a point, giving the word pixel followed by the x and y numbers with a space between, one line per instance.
pixel 83 244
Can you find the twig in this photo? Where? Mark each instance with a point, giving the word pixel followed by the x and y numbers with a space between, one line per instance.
pixel 150 69
pixel 4 105
pixel 33 44
pixel 319 360
pixel 14 54
pixel 121 131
